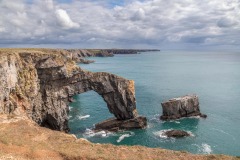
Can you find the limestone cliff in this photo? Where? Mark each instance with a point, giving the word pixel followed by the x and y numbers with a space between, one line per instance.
pixel 39 83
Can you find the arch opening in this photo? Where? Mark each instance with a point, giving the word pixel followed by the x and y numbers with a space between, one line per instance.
pixel 87 109
pixel 57 90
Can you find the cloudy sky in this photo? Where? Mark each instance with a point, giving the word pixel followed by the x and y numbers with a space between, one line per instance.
pixel 162 24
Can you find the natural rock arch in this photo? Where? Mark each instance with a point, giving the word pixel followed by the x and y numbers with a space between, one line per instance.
pixel 57 91
pixel 40 84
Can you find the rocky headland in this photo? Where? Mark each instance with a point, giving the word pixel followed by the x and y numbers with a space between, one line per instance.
pixel 80 55
pixel 40 83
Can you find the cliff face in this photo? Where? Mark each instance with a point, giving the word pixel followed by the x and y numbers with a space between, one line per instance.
pixel 39 84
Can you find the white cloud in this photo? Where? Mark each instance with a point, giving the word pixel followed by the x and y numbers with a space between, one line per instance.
pixel 64 20
pixel 2 29
pixel 148 23
pixel 139 15
pixel 49 4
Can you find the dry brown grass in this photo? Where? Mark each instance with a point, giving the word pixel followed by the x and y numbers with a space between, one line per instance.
pixel 17 50
pixel 58 55
pixel 25 140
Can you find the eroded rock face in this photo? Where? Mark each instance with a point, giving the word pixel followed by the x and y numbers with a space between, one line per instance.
pixel 185 106
pixel 41 84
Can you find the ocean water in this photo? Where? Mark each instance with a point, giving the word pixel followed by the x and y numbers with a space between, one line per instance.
pixel 159 76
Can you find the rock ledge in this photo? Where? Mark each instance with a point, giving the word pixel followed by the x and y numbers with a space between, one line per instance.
pixel 114 124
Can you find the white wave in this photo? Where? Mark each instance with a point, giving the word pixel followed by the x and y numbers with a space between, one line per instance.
pixel 156 118
pixel 190 133
pixel 194 117
pixel 174 121
pixel 161 133
pixel 123 136
pixel 91 133
pixel 70 108
pixel 69 117
pixel 205 148
pixel 83 117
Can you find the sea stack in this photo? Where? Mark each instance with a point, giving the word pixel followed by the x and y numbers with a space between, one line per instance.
pixel 185 106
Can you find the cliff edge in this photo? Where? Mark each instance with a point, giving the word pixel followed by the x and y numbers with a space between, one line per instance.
pixel 39 83
pixel 22 139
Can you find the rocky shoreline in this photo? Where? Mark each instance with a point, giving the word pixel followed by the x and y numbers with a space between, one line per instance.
pixel 36 87
pixel 21 139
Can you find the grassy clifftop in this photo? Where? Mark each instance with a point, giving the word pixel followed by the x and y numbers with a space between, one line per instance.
pixel 30 50
pixel 23 139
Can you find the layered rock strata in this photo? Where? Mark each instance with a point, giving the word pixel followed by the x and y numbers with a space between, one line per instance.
pixel 185 106
pixel 41 83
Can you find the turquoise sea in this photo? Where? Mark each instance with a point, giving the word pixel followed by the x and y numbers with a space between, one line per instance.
pixel 159 76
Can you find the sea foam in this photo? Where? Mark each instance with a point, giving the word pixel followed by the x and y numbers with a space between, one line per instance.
pixel 83 117
pixel 205 148
pixel 122 137
pixel 162 133
pixel 90 133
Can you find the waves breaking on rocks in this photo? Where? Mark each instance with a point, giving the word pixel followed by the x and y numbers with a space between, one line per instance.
pixel 91 133
pixel 162 133
pixel 122 137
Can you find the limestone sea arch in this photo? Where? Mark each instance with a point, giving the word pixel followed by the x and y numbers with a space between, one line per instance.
pixel 43 81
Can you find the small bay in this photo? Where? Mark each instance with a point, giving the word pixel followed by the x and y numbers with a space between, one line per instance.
pixel 159 76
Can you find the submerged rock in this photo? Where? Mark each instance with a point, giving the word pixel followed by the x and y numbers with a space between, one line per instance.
pixel 177 133
pixel 114 124
pixel 186 106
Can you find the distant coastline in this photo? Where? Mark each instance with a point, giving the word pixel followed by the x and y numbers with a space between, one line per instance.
pixel 129 51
